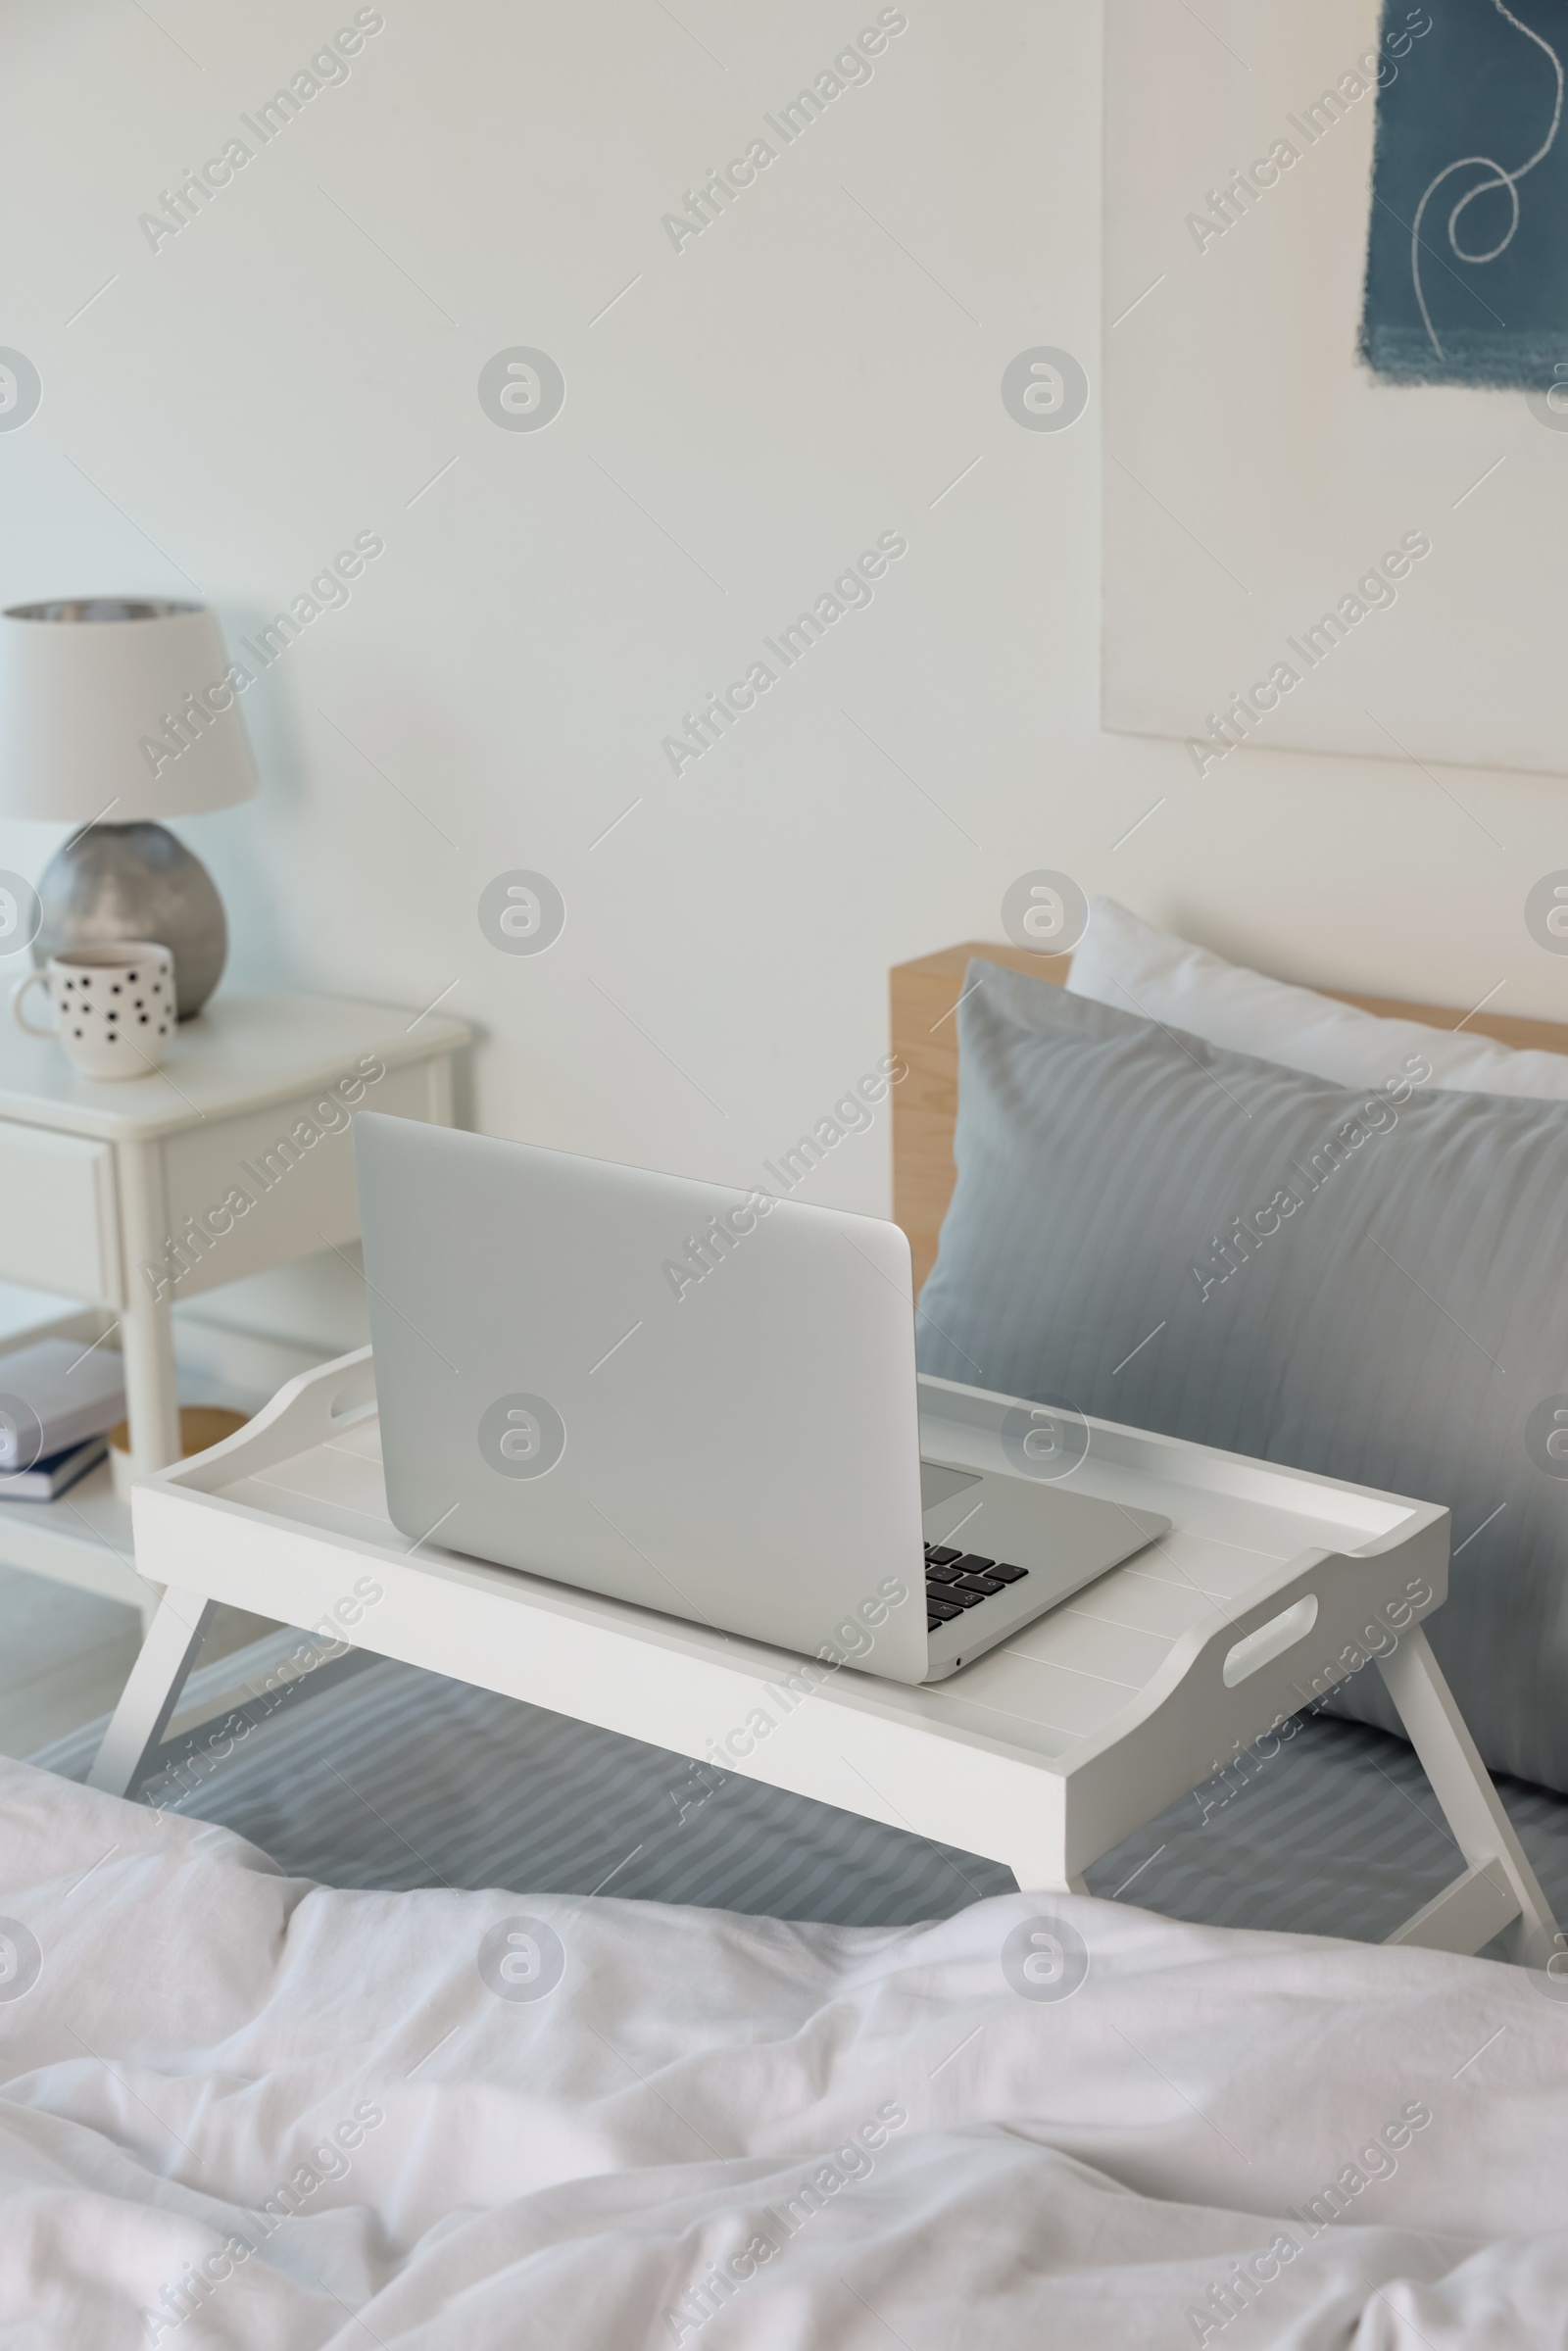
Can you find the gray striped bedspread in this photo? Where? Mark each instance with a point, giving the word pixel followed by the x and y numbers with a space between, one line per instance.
pixel 392 1778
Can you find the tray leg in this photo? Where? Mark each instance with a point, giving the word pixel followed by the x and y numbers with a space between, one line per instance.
pixel 1041 1873
pixel 1481 1827
pixel 152 1690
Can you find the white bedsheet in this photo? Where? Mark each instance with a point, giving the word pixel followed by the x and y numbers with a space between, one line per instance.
pixel 730 2132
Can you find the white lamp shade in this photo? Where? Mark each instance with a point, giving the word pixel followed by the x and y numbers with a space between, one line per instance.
pixel 119 708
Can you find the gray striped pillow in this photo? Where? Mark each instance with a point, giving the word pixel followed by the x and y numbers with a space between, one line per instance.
pixel 1364 1285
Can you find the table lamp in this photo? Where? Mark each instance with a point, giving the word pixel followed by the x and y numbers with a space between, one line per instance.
pixel 116 710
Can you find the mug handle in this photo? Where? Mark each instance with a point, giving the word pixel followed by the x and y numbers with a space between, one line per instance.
pixel 33 979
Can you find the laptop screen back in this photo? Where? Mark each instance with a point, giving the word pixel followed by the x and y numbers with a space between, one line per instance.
pixel 694 1398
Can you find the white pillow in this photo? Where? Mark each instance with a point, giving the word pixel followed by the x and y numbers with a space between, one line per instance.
pixel 1136 968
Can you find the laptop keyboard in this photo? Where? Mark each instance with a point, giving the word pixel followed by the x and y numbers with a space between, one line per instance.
pixel 958 1580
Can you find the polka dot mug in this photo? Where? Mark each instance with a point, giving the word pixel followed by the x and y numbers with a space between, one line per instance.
pixel 113 1004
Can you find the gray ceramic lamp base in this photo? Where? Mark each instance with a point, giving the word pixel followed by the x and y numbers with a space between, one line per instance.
pixel 137 881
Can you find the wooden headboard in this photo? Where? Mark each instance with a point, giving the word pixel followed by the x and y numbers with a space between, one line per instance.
pixel 925 1103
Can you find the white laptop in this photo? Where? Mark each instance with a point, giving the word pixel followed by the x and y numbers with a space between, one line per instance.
pixel 692 1397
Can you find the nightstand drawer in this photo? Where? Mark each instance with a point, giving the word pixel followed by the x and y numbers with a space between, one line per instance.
pixel 58 1224
pixel 271 1186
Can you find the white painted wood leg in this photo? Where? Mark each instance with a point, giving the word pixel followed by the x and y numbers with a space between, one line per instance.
pixel 1466 1915
pixel 1039 1874
pixel 1499 1883
pixel 147 1339
pixel 146 1329
pixel 152 1692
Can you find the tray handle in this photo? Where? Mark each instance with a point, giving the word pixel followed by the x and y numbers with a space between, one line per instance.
pixel 1225 1684
pixel 309 1410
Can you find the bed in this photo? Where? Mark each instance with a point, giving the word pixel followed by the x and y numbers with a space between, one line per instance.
pixel 285 2067
pixel 244 2109
pixel 923 996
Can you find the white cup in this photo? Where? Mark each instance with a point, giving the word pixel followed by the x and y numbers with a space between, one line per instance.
pixel 115 1007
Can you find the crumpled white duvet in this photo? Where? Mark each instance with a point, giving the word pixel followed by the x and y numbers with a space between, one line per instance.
pixel 240 2110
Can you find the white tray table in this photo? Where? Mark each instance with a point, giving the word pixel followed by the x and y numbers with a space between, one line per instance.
pixel 1042 1755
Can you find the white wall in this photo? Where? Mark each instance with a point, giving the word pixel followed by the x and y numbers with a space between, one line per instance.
pixel 812 370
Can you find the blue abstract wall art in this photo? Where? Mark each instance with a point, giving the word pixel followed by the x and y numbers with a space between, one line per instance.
pixel 1468 249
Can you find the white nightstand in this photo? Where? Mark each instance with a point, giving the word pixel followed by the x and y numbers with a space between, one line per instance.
pixel 235 1158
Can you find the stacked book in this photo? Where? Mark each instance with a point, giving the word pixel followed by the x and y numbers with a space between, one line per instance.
pixel 57 1402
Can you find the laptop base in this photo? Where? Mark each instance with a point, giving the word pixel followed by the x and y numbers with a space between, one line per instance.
pixel 977 1520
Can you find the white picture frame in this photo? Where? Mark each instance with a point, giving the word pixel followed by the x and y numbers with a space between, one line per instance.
pixel 1258 478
